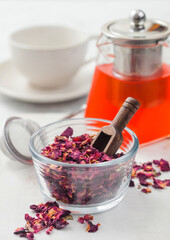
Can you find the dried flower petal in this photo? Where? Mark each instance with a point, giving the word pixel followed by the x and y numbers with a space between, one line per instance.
pixel 143 176
pixel 147 166
pixel 159 183
pixel 49 229
pixel 30 235
pixel 68 132
pixel 167 181
pixel 147 171
pixel 144 183
pixel 69 186
pixel 92 227
pixel 146 190
pixel 19 230
pixel 48 215
pixel 133 175
pixel 81 220
pixel 23 232
pixel 76 150
pixel 135 169
pixel 163 164
pixel 131 184
pixel 88 217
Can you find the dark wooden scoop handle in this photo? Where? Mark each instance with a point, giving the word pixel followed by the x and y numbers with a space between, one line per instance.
pixel 126 112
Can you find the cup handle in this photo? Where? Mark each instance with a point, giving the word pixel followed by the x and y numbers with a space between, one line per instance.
pixel 91 59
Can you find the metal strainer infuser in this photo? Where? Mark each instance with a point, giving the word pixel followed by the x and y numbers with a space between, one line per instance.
pixel 15 138
pixel 16 134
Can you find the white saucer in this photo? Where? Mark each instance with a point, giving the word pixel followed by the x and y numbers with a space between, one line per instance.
pixel 15 85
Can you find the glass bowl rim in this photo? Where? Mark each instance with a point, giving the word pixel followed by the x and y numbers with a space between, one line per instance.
pixel 38 156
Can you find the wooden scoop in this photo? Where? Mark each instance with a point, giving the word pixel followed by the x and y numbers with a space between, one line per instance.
pixel 109 138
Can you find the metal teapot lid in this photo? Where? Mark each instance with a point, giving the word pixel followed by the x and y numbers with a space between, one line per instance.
pixel 137 29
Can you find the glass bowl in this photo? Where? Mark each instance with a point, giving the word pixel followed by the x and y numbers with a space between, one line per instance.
pixel 87 188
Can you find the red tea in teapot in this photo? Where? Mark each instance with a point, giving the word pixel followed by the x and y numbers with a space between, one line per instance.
pixel 152 121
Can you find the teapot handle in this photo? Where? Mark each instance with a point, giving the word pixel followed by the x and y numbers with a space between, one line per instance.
pixel 92 58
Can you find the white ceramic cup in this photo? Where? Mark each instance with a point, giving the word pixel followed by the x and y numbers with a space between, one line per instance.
pixel 49 56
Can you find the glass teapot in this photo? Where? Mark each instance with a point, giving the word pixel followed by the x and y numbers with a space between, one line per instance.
pixel 133 61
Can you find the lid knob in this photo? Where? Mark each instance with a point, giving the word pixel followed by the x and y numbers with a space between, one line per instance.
pixel 137 20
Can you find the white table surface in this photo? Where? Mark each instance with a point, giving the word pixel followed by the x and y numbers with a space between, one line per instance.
pixel 138 217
